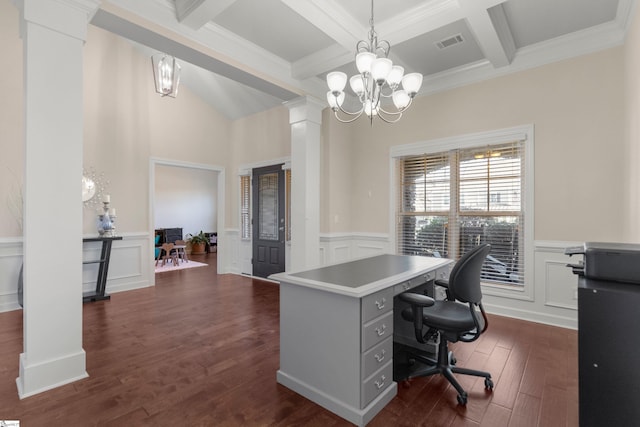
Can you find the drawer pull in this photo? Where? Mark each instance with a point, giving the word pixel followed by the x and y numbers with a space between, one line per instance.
pixel 380 356
pixel 380 304
pixel 379 384
pixel 381 330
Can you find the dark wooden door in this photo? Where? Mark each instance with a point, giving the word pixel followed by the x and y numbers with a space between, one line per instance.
pixel 268 220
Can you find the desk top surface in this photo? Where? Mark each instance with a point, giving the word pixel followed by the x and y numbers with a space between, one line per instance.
pixel 364 276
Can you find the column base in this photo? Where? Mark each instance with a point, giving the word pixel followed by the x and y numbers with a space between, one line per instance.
pixel 39 377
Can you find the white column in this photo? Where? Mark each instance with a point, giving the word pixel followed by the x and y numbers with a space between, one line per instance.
pixel 53 33
pixel 305 117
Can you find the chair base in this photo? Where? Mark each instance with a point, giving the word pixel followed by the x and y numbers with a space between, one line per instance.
pixel 443 365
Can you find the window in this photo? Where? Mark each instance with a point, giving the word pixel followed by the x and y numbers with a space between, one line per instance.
pixel 463 195
pixel 287 189
pixel 245 207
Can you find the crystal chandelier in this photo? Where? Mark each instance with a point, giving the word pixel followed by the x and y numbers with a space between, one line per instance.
pixel 166 74
pixel 378 81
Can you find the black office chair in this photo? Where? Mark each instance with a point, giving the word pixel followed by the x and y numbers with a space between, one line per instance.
pixel 460 317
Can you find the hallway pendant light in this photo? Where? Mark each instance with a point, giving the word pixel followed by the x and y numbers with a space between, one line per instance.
pixel 166 74
pixel 378 82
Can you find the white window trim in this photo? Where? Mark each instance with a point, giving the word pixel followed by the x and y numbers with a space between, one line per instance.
pixel 500 136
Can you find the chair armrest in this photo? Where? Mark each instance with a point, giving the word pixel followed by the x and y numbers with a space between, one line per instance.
pixel 417 299
pixel 418 303
pixel 442 282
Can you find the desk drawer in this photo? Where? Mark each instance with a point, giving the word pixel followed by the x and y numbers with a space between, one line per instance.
pixel 443 272
pixel 376 357
pixel 377 383
pixel 377 304
pixel 377 330
pixel 412 283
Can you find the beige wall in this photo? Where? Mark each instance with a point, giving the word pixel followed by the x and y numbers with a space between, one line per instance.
pixel 577 109
pixel 11 122
pixel 337 175
pixel 632 129
pixel 255 139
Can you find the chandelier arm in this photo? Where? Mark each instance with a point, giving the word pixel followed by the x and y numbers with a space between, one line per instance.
pixel 357 116
pixel 387 120
pixel 383 46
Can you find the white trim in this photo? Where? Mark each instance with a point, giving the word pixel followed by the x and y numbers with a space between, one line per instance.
pixel 247 168
pixel 525 132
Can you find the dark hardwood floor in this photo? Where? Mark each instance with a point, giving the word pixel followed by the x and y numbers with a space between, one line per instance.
pixel 200 349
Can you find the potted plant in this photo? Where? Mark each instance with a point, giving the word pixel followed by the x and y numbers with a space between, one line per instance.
pixel 198 242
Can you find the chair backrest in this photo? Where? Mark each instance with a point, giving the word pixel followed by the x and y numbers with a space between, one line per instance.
pixel 464 280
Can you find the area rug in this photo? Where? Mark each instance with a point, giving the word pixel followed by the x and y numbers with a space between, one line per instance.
pixel 181 266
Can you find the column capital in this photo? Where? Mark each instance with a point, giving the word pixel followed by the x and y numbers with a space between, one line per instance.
pixel 70 17
pixel 305 108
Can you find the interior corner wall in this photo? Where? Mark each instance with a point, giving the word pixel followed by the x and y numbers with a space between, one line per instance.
pixel 577 109
pixel 632 128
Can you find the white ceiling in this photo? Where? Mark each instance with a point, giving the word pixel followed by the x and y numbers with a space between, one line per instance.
pixel 251 55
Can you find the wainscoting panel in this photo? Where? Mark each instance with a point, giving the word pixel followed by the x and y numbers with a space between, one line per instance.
pixel 560 284
pixel 342 247
pixel 129 267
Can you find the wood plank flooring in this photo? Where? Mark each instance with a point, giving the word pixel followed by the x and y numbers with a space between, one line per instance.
pixel 200 349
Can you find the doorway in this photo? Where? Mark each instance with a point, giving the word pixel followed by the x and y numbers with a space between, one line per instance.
pixel 219 190
pixel 268 189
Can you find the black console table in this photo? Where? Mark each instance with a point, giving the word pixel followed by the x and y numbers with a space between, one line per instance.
pixel 101 283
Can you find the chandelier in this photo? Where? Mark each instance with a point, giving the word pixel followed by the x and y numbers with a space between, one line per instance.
pixel 166 74
pixel 378 81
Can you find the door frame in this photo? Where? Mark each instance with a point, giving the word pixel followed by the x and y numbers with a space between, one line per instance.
pixel 223 249
pixel 277 169
pixel 245 246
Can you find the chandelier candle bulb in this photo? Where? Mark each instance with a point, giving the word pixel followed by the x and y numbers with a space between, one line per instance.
pixel 357 84
pixel 336 81
pixel 411 83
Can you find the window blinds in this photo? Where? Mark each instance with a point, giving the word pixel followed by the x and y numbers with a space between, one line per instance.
pixel 245 207
pixel 451 202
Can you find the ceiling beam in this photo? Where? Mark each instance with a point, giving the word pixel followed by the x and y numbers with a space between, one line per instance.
pixel 488 23
pixel 333 20
pixel 196 13
pixel 138 30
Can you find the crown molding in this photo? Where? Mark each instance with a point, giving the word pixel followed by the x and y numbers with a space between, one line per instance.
pixel 595 39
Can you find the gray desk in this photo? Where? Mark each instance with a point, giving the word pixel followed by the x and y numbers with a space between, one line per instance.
pixel 336 330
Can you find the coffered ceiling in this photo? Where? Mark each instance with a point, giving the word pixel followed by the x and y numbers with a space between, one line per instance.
pixel 245 56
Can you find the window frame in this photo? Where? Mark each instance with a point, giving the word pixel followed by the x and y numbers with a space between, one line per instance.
pixel 469 141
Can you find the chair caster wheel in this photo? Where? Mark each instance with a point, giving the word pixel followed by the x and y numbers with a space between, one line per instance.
pixel 462 399
pixel 488 383
pixel 452 359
